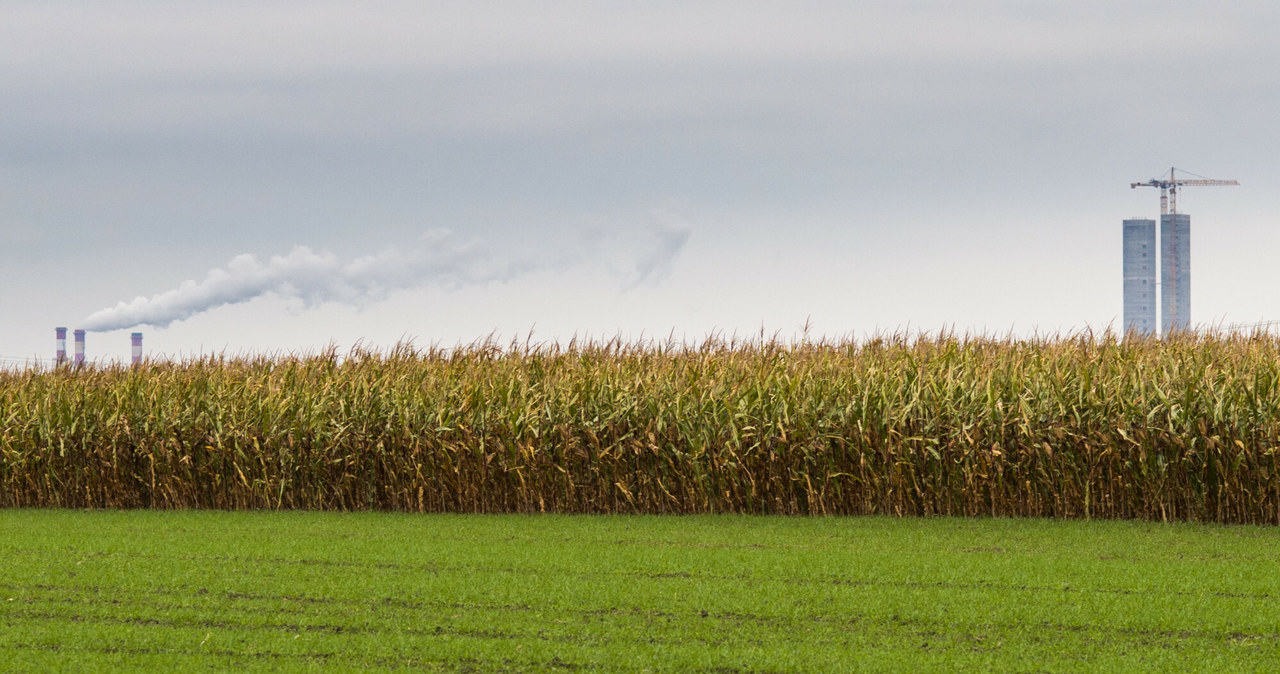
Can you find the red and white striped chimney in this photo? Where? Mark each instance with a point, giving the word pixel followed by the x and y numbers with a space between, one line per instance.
pixel 137 347
pixel 61 334
pixel 79 347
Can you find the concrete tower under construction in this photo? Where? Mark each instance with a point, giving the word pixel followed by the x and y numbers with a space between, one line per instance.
pixel 1175 272
pixel 1140 276
pixel 1175 252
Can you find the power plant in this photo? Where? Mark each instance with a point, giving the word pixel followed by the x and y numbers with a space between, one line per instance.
pixel 1174 255
pixel 79 348
pixel 60 336
pixel 61 345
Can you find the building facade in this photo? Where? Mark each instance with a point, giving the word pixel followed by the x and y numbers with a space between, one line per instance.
pixel 1175 272
pixel 1140 276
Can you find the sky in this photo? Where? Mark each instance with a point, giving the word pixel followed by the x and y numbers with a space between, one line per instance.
pixel 250 177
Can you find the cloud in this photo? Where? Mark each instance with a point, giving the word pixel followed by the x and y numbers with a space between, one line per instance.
pixel 130 38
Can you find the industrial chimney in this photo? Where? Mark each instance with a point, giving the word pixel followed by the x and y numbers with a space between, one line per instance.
pixel 137 347
pixel 79 347
pixel 62 345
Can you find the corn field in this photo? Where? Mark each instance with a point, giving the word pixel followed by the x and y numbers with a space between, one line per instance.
pixel 1186 428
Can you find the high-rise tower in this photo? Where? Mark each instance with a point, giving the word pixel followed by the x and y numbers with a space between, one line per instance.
pixel 1175 272
pixel 1140 276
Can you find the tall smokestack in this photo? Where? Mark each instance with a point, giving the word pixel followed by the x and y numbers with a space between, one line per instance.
pixel 79 347
pixel 62 344
pixel 137 347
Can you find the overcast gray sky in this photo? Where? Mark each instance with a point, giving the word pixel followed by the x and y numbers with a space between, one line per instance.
pixel 333 172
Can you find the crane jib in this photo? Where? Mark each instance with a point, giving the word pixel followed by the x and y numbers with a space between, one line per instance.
pixel 1169 188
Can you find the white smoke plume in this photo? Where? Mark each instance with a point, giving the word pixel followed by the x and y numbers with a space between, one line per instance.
pixel 666 239
pixel 638 254
pixel 637 250
pixel 313 277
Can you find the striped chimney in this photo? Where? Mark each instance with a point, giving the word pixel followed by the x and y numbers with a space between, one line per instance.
pixel 79 347
pixel 137 347
pixel 62 344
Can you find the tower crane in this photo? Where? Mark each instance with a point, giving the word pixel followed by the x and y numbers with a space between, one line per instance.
pixel 1169 188
pixel 1175 248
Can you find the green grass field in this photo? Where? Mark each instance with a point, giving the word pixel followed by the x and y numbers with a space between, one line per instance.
pixel 188 590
